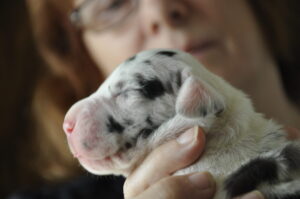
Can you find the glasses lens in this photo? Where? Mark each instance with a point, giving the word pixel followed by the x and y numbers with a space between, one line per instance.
pixel 101 14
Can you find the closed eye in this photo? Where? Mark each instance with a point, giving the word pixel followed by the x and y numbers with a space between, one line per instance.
pixel 127 93
pixel 123 93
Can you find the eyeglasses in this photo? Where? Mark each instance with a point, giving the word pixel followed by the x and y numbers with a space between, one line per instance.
pixel 100 15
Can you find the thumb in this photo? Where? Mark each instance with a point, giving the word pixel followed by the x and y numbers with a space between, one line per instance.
pixel 292 133
pixel 192 186
pixel 187 148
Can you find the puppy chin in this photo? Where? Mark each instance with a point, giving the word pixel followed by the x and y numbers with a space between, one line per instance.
pixel 107 166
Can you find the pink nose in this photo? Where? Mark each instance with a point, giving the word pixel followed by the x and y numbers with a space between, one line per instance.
pixel 68 127
pixel 70 121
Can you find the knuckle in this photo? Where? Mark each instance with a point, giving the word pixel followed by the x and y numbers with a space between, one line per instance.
pixel 174 187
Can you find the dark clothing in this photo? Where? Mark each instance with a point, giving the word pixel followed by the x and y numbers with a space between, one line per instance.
pixel 85 187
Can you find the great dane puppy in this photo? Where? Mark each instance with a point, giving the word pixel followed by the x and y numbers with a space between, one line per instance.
pixel 153 97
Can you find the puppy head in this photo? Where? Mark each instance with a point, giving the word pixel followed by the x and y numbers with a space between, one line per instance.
pixel 110 131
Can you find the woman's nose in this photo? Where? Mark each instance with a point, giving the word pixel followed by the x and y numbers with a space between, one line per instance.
pixel 157 15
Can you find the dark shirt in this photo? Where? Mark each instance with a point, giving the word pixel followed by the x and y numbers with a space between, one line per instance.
pixel 85 187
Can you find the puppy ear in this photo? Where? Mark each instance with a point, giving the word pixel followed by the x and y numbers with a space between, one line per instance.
pixel 198 99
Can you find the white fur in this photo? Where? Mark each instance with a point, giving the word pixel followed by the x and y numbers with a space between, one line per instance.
pixel 234 137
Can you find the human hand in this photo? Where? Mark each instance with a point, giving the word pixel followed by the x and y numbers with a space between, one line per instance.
pixel 152 179
pixel 292 133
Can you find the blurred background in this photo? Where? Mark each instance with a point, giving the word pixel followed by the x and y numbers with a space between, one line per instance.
pixel 20 67
pixel 34 159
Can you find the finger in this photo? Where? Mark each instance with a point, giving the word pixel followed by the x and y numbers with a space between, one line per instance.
pixel 192 186
pixel 165 160
pixel 251 195
pixel 293 133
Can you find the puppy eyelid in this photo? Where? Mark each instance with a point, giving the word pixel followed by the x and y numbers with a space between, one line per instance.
pixel 115 95
pixel 124 93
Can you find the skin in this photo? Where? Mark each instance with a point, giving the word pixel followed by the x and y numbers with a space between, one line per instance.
pixel 158 183
pixel 237 52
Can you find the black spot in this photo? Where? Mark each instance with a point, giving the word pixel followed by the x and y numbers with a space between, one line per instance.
pixel 203 112
pixel 249 176
pixel 149 121
pixel 219 109
pixel 128 145
pixel 176 77
pixel 113 126
pixel 128 122
pixel 291 154
pixel 120 85
pixel 151 88
pixel 219 112
pixel 295 195
pixel 147 62
pixel 166 53
pixel 131 58
pixel 146 132
pixel 179 79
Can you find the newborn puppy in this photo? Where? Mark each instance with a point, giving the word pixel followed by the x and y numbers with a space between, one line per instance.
pixel 156 95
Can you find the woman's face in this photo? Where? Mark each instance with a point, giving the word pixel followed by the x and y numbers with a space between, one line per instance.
pixel 223 35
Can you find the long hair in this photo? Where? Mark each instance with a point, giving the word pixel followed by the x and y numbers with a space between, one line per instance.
pixel 70 74
pixel 44 69
pixel 20 68
pixel 280 23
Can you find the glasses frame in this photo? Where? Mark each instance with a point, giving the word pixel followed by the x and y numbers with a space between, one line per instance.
pixel 75 16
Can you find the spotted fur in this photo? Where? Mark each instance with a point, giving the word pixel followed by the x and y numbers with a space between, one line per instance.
pixel 153 97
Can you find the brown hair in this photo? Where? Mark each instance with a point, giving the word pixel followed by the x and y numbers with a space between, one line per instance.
pixel 279 21
pixel 70 76
pixel 37 91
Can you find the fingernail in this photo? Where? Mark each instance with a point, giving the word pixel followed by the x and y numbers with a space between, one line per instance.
pixel 202 180
pixel 188 136
pixel 251 195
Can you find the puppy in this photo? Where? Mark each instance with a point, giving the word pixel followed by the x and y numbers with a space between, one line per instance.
pixel 156 95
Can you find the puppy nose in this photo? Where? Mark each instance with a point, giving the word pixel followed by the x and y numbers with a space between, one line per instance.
pixel 68 126
pixel 70 121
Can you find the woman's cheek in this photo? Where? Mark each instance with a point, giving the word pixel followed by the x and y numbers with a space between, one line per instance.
pixel 110 49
